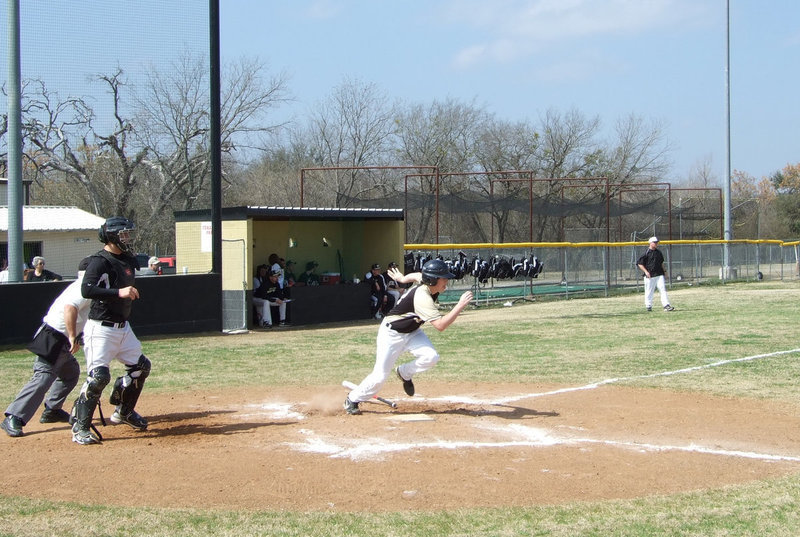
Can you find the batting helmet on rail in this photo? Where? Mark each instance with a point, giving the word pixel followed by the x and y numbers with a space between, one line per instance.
pixel 435 269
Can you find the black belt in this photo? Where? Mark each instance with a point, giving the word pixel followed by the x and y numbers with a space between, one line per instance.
pixel 113 325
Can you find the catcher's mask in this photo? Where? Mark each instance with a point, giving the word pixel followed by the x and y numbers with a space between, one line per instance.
pixel 435 269
pixel 119 231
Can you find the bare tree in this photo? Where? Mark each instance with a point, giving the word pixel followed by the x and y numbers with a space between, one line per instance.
pixel 702 174
pixel 504 146
pixel 61 139
pixel 273 179
pixel 441 134
pixel 173 124
pixel 352 128
pixel 638 153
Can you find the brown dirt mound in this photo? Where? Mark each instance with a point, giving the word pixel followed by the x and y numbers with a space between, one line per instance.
pixel 453 446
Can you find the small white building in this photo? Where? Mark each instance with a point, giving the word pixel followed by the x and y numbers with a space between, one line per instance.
pixel 62 235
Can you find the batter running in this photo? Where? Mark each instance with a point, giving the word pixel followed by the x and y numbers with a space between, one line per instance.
pixel 400 331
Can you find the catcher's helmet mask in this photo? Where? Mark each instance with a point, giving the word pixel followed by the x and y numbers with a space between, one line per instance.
pixel 119 231
pixel 435 269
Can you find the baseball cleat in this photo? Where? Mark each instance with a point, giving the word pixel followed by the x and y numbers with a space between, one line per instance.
pixel 408 385
pixel 668 308
pixel 133 419
pixel 84 437
pixel 351 407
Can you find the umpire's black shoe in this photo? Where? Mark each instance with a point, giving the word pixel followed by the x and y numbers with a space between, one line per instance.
pixel 54 416
pixel 12 425
pixel 408 385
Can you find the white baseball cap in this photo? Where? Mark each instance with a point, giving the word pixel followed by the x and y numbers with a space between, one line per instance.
pixel 653 239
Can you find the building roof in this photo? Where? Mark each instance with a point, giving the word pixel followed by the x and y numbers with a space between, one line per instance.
pixel 291 213
pixel 52 218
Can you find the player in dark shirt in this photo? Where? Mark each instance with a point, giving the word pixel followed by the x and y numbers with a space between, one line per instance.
pixel 109 282
pixel 652 264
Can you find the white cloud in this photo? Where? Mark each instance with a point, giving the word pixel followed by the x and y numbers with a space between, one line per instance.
pixel 513 29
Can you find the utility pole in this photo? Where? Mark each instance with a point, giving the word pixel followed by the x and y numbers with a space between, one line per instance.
pixel 726 260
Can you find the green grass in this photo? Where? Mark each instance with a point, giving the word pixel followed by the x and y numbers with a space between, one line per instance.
pixel 572 342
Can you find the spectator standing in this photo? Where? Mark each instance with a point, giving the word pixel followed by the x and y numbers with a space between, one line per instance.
pixel 39 273
pixel 109 282
pixel 56 370
pixel 276 265
pixel 652 264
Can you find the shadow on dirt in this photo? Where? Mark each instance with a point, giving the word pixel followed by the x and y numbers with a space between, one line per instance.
pixel 201 423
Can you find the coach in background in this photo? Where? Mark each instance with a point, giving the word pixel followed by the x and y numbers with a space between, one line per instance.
pixel 652 264
pixel 55 368
pixel 153 267
pixel 39 273
pixel 400 331
pixel 109 283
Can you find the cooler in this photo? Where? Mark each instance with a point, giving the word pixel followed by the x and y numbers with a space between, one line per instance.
pixel 330 278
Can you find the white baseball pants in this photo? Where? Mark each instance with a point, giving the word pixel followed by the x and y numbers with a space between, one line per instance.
pixel 390 345
pixel 104 343
pixel 266 311
pixel 650 286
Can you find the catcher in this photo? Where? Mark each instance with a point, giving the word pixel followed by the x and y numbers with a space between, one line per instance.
pixel 400 331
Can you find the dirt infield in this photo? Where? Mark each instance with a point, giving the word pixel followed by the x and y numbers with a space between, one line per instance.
pixel 452 446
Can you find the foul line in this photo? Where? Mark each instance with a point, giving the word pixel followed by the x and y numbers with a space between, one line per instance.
pixel 376 448
pixel 592 386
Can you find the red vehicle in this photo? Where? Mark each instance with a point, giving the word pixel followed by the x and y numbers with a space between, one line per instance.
pixel 167 264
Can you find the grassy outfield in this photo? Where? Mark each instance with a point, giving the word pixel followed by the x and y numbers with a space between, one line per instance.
pixel 572 342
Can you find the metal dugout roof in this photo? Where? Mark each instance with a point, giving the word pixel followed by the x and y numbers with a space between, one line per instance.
pixel 291 213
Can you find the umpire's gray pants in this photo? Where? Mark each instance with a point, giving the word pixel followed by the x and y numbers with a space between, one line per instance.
pixel 59 378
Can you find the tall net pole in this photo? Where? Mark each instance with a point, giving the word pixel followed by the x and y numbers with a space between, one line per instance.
pixel 727 215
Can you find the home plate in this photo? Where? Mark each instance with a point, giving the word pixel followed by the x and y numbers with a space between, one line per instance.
pixel 410 417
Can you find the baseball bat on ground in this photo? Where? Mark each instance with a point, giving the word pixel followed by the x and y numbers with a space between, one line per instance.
pixel 352 386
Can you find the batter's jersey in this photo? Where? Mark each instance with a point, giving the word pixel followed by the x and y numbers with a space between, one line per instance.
pixel 106 274
pixel 71 296
pixel 415 307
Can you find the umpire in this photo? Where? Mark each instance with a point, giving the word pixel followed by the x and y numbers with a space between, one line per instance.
pixel 55 371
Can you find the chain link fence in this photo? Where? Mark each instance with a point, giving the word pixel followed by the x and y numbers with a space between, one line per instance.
pixel 571 269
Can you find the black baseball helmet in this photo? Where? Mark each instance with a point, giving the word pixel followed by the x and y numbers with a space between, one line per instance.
pixel 435 269
pixel 119 231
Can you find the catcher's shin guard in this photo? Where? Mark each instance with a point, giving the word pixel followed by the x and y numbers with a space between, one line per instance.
pixel 127 388
pixel 86 403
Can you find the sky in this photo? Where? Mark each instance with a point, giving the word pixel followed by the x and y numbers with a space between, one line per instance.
pixel 661 60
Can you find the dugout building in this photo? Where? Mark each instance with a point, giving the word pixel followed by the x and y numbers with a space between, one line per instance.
pixel 343 242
